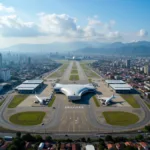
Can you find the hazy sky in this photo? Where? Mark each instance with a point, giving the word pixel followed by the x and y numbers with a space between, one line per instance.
pixel 46 21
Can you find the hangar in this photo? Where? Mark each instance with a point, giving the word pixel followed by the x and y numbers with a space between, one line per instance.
pixel 29 86
pixel 114 82
pixel 74 91
pixel 121 88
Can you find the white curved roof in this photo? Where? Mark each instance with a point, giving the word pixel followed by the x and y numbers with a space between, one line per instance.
pixel 74 89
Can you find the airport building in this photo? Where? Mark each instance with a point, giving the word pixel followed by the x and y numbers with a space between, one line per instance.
pixel 119 86
pixel 114 82
pixel 29 86
pixel 74 91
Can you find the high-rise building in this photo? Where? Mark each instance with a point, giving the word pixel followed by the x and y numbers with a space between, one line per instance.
pixel 147 69
pixel 1 61
pixel 5 74
pixel 128 63
pixel 29 60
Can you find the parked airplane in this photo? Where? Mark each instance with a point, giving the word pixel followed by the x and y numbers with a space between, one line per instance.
pixel 39 100
pixel 43 100
pixel 106 100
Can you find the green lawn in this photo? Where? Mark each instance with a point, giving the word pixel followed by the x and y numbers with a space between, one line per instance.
pixel 60 71
pixel 90 80
pixel 73 71
pixel 84 66
pixel 74 77
pixel 17 100
pixel 2 102
pixel 96 101
pixel 148 104
pixel 74 67
pixel 28 118
pixel 131 100
pixel 52 101
pixel 88 71
pixel 120 118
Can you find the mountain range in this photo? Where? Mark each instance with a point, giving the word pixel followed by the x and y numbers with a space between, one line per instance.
pixel 141 48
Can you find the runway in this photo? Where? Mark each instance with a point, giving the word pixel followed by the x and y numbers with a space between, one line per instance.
pixel 72 117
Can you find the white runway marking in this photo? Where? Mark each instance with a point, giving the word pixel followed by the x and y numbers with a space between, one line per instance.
pixel 74 107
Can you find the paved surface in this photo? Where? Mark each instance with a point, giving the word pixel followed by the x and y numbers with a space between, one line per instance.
pixel 68 117
pixel 105 91
pixel 66 75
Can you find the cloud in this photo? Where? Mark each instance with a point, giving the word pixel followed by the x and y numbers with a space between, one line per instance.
pixel 114 35
pixel 6 9
pixel 143 33
pixel 57 24
pixel 13 26
pixel 94 21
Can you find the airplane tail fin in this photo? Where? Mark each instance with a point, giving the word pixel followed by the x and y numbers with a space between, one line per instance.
pixel 113 96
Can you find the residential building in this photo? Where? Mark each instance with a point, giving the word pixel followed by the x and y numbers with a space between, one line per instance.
pixel 5 74
pixel 128 63
pixel 147 69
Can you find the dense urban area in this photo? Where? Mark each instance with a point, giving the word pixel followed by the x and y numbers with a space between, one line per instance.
pixel 25 78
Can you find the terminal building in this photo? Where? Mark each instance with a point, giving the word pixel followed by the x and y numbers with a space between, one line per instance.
pixel 29 86
pixel 119 86
pixel 74 91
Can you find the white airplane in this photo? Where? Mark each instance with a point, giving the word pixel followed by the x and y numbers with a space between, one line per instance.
pixel 107 100
pixel 39 100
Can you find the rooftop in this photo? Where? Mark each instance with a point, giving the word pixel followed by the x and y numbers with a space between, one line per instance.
pixel 74 89
pixel 27 86
pixel 114 81
pixel 33 82
pixel 121 86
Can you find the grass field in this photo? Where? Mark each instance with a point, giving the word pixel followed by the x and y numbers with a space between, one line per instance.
pixel 52 101
pixel 88 71
pixel 90 80
pixel 60 71
pixel 74 77
pixel 74 71
pixel 74 67
pixel 5 130
pixel 84 66
pixel 28 118
pixel 2 102
pixel 131 100
pixel 17 100
pixel 120 118
pixel 96 101
pixel 148 104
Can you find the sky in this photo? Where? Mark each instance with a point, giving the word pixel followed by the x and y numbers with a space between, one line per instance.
pixel 47 21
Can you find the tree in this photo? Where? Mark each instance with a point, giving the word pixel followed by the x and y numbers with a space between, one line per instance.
pixel 12 147
pixel 139 137
pixel 108 138
pixel 120 139
pixel 38 138
pixel 88 140
pixel 83 139
pixel 28 137
pixel 101 147
pixel 48 138
pixel 147 128
pixel 131 148
pixel 18 134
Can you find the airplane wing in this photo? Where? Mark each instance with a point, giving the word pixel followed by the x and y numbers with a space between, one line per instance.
pixel 39 99
pixel 103 98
